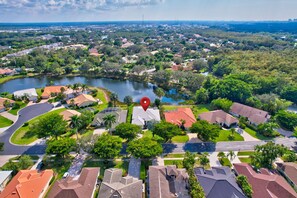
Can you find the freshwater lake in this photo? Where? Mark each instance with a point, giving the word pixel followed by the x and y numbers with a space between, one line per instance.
pixel 121 87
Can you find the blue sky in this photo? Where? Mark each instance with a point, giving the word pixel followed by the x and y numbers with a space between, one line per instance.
pixel 110 10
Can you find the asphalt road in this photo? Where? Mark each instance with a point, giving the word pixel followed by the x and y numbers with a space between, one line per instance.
pixel 24 115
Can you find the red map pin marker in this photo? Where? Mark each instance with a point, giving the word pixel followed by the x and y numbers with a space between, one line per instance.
pixel 145 103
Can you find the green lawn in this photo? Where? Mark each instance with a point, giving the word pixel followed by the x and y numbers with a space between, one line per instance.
pixel 4 122
pixel 33 157
pixel 129 114
pixel 225 161
pixel 175 155
pixel 149 134
pixel 14 111
pixel 38 91
pixel 124 165
pixel 101 96
pixel 143 169
pixel 8 78
pixel 225 136
pixel 180 139
pixel 178 163
pixel 23 136
pixel 245 160
pixel 245 153
pixel 255 134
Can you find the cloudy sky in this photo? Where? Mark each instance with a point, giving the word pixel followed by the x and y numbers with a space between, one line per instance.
pixel 119 10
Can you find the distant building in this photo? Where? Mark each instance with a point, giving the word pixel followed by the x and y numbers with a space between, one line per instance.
pixel 52 90
pixel 265 184
pixel 255 116
pixel 94 52
pixel 127 44
pixel 28 183
pixel 3 101
pixel 141 117
pixel 167 182
pixel 30 94
pixel 218 182
pixel 7 71
pixel 179 115
pixel 219 117
pixel 289 170
pixel 81 187
pixel 114 185
pixel 67 114
pixel 82 100
pixel 5 177
pixel 121 116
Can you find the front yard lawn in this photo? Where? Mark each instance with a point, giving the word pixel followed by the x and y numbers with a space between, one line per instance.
pixel 149 134
pixel 4 122
pixel 255 134
pixel 101 96
pixel 225 136
pixel 175 155
pixel 225 162
pixel 22 136
pixel 180 139
pixel 124 165
pixel 178 163
pixel 245 153
pixel 14 110
pixel 245 160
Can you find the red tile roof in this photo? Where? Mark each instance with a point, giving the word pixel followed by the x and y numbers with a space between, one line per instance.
pixel 265 185
pixel 175 117
pixel 28 183
pixel 2 100
pixel 51 89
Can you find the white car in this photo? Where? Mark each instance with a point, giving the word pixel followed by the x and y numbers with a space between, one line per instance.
pixel 66 175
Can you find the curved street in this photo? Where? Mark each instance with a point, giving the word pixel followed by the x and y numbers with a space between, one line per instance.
pixel 25 115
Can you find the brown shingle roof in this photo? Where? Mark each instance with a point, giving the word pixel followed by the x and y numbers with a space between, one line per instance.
pixel 254 115
pixel 162 185
pixel 69 113
pixel 2 100
pixel 28 183
pixel 218 116
pixel 265 185
pixel 84 186
pixel 79 100
pixel 290 169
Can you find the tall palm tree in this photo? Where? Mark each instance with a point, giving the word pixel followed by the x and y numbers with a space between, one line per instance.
pixel 84 87
pixel 75 123
pixel 231 154
pixel 108 121
pixel 113 98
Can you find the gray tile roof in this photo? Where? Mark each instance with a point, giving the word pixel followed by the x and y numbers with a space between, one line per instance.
pixel 124 187
pixel 219 182
pixel 121 116
pixel 140 116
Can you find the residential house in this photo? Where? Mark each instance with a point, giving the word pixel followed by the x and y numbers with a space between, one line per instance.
pixel 82 100
pixel 7 71
pixel 121 116
pixel 255 116
pixel 94 52
pixel 289 171
pixel 127 44
pixel 167 182
pixel 28 183
pixel 180 115
pixel 5 177
pixel 218 182
pixel 114 185
pixel 67 114
pixel 30 94
pixel 52 90
pixel 141 117
pixel 219 117
pixel 265 184
pixel 2 103
pixel 82 187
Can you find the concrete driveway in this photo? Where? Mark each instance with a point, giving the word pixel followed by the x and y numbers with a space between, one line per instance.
pixel 9 116
pixel 25 115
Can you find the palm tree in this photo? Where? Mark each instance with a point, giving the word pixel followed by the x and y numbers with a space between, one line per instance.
pixel 231 154
pixel 108 121
pixel 75 123
pixel 113 98
pixel 84 87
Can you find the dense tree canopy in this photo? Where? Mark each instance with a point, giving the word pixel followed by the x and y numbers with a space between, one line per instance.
pixel 60 147
pixel 127 131
pixel 205 131
pixel 107 146
pixel 166 130
pixel 287 120
pixel 144 148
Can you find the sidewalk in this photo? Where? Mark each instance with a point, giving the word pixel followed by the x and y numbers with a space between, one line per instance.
pixel 9 116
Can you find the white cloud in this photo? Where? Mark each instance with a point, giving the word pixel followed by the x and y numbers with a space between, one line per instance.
pixel 50 5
